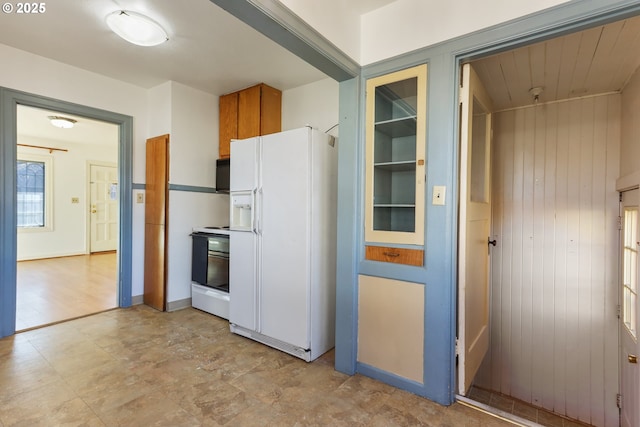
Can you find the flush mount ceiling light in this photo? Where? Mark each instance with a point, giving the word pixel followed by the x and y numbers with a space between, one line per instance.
pixel 62 122
pixel 136 28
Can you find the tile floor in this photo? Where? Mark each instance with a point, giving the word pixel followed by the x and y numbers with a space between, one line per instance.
pixel 139 367
pixel 521 409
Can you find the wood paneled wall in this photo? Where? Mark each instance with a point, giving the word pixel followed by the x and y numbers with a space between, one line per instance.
pixel 554 339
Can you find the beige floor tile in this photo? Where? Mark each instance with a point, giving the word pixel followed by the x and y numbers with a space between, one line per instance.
pixel 138 367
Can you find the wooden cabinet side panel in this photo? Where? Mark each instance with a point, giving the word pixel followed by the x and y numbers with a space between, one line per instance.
pixel 249 112
pixel 156 179
pixel 228 123
pixel 154 266
pixel 270 110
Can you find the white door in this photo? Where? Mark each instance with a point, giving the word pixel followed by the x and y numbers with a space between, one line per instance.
pixel 630 305
pixel 284 205
pixel 474 227
pixel 104 208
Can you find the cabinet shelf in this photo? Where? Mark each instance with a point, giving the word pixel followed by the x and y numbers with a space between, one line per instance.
pixel 402 166
pixel 395 152
pixel 398 127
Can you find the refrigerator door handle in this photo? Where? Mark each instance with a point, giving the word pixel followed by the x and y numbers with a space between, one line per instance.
pixel 259 210
pixel 255 211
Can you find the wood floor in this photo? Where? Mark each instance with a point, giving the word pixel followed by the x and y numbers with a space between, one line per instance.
pixel 56 289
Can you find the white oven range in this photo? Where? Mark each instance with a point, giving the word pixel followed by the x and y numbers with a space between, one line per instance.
pixel 210 270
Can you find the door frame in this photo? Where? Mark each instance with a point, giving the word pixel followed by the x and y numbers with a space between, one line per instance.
pixel 623 184
pixel 9 101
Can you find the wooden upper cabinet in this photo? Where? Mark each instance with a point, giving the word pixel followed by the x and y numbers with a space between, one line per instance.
pixel 228 122
pixel 253 111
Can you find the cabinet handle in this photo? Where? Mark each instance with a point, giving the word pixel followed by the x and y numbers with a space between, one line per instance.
pixel 391 254
pixel 632 358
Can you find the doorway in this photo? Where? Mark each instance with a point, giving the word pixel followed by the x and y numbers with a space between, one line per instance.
pixel 57 277
pixel 553 283
pixel 9 101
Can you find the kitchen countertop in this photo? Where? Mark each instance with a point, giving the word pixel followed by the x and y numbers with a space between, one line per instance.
pixel 211 230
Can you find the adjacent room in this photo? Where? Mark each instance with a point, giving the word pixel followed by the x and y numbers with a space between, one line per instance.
pixel 67 217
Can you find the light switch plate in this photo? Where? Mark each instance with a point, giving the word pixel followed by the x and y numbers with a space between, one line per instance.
pixel 139 197
pixel 438 195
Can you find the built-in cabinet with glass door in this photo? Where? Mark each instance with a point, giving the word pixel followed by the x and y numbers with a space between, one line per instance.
pixel 395 165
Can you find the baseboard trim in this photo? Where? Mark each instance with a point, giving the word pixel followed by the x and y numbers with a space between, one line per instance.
pixel 179 304
pixel 137 299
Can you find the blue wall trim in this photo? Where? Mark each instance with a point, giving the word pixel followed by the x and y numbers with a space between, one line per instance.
pixel 348 229
pixel 278 23
pixel 9 100
pixel 179 187
pixel 389 378
pixel 191 188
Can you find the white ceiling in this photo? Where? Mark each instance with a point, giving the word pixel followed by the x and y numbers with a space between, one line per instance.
pixel 34 122
pixel 208 49
pixel 594 61
pixel 213 51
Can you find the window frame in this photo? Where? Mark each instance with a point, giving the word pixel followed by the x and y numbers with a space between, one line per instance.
pixel 630 270
pixel 48 191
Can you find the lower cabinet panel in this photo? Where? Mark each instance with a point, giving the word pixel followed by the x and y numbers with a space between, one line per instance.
pixel 391 326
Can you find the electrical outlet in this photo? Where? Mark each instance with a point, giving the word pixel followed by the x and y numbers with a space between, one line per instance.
pixel 139 197
pixel 75 200
pixel 438 195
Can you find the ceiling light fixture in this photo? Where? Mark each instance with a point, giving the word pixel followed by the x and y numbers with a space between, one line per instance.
pixel 535 93
pixel 136 28
pixel 62 122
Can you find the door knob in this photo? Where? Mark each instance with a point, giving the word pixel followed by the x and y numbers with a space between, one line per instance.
pixel 94 209
pixel 632 358
pixel 491 242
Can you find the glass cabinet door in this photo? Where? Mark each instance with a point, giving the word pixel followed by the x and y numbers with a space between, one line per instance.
pixel 395 163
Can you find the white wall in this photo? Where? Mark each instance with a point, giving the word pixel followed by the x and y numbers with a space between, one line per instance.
pixel 336 21
pixel 630 145
pixel 42 76
pixel 190 117
pixel 406 25
pixel 314 104
pixel 554 339
pixel 70 179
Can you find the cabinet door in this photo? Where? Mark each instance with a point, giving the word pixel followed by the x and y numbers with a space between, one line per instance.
pixel 249 112
pixel 395 157
pixel 270 110
pixel 228 122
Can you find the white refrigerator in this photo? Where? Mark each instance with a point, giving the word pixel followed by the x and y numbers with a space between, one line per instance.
pixel 282 260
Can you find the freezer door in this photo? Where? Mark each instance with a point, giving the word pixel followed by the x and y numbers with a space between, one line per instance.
pixel 285 229
pixel 243 279
pixel 245 155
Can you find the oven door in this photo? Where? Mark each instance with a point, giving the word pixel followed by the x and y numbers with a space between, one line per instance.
pixel 218 270
pixel 210 260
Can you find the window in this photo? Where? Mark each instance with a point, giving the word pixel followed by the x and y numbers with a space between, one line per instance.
pixel 630 273
pixel 33 192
